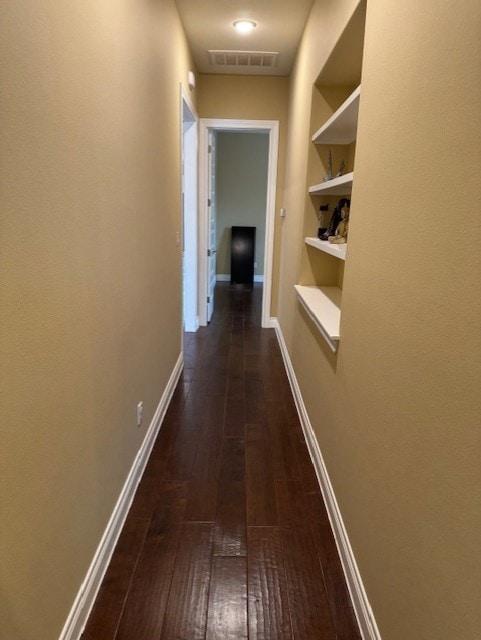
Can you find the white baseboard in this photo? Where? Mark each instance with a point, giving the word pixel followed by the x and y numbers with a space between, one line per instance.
pixel 362 608
pixel 85 599
pixel 225 277
pixel 272 323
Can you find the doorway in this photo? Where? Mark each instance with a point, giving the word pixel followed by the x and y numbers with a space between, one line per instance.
pixel 242 159
pixel 190 313
pixel 208 130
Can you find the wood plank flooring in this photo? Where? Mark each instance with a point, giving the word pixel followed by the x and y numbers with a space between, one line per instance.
pixel 228 537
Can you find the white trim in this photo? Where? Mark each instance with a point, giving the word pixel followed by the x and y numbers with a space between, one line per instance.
pixel 185 95
pixel 193 329
pixel 362 608
pixel 271 127
pixel 85 599
pixel 273 323
pixel 203 187
pixel 189 207
pixel 225 277
pixel 270 221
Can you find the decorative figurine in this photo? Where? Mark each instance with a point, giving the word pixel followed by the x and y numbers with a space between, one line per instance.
pixel 342 166
pixel 340 236
pixel 333 224
pixel 336 219
pixel 323 209
pixel 329 175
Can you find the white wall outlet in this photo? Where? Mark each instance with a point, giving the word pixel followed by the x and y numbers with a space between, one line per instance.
pixel 140 411
pixel 283 213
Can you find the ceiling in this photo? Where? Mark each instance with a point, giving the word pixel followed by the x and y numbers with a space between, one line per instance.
pixel 209 27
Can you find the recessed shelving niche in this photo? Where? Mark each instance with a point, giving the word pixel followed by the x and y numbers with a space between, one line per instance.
pixel 323 305
pixel 342 125
pixel 336 98
pixel 336 250
pixel 340 186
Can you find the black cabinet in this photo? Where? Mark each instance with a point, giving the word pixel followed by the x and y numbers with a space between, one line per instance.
pixel 243 245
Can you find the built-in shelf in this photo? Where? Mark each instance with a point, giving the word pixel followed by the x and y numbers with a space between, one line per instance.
pixel 323 305
pixel 342 125
pixel 336 250
pixel 336 187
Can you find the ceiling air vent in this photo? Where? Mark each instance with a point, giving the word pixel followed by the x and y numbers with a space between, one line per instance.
pixel 263 59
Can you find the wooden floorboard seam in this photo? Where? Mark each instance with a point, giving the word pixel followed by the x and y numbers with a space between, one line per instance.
pixel 236 543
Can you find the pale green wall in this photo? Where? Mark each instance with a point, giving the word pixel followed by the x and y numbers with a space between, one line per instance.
pixel 241 183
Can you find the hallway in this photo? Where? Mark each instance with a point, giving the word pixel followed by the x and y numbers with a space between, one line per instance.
pixel 228 537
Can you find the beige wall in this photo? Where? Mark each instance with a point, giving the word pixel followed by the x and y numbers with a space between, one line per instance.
pixel 90 205
pixel 251 98
pixel 397 411
pixel 241 189
pixel 89 210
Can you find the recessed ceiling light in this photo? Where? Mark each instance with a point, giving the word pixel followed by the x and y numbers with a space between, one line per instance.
pixel 244 26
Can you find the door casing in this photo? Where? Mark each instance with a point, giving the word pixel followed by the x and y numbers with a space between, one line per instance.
pixel 189 236
pixel 271 127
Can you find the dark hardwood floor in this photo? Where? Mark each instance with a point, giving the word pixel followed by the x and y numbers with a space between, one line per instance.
pixel 228 537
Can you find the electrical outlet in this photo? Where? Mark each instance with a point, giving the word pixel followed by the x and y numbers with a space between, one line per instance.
pixel 140 411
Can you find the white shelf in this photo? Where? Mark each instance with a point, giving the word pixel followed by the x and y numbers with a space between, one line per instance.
pixel 336 187
pixel 336 250
pixel 323 305
pixel 342 125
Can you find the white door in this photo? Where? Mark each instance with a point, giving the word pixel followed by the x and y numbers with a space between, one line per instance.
pixel 211 226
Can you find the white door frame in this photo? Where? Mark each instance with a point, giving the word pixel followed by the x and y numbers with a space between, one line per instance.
pixel 211 224
pixel 190 240
pixel 256 126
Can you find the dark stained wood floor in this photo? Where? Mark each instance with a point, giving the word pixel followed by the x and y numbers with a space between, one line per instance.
pixel 228 537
